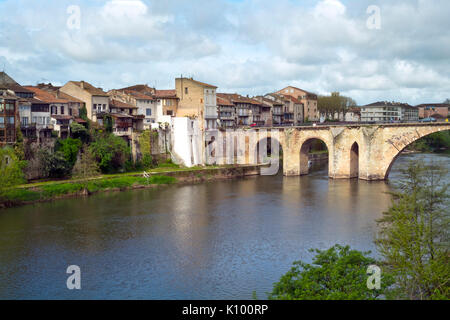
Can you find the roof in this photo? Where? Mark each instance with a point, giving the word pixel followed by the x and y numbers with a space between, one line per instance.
pixel 138 95
pixel 143 88
pixel 45 96
pixel 436 105
pixel 199 82
pixel 119 104
pixel 291 98
pixel 6 82
pixel 69 97
pixel 61 117
pixel 79 120
pixel 387 104
pixel 166 94
pixel 224 102
pixel 237 98
pixel 121 115
pixel 90 88
pixel 307 92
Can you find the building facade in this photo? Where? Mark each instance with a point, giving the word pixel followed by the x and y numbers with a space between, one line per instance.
pixel 95 99
pixel 308 99
pixel 388 112
pixel 439 111
pixel 197 100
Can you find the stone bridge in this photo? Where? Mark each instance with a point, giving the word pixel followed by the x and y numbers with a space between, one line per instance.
pixel 364 151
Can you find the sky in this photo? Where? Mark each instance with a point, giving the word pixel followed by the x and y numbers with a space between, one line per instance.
pixel 399 51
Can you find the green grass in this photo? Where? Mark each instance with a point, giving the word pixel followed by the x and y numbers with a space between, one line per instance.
pixel 49 191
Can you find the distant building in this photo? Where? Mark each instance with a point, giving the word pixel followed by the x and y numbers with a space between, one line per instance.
pixel 146 105
pixel 308 99
pixel 197 100
pixel 167 104
pixel 439 111
pixel 384 111
pixel 58 117
pixel 95 99
pixel 226 112
pixel 353 115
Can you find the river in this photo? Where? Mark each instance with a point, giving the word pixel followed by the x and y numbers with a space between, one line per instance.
pixel 215 240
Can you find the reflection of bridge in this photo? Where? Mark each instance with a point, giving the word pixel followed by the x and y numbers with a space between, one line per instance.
pixel 364 151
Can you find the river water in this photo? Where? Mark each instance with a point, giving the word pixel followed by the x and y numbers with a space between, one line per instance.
pixel 216 240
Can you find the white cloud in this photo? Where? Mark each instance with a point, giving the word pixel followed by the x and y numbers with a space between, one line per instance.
pixel 251 46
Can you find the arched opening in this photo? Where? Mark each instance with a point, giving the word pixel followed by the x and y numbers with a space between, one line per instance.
pixel 437 142
pixel 266 151
pixel 313 156
pixel 354 161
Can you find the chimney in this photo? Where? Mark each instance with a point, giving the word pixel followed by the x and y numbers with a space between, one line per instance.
pixel 82 84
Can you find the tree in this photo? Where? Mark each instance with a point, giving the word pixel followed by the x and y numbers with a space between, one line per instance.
pixel 69 148
pixel 338 273
pixel 78 131
pixel 54 165
pixel 414 234
pixel 11 172
pixel 329 105
pixel 110 151
pixel 86 165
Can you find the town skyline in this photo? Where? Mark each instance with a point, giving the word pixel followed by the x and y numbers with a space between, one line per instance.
pixel 240 46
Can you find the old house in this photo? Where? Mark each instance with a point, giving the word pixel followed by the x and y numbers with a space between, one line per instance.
pixel 198 100
pixel 167 104
pixel 95 99
pixel 145 104
pixel 308 99
pixel 226 112
pixel 439 111
pixel 60 118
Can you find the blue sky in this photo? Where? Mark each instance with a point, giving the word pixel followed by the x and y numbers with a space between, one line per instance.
pixel 245 46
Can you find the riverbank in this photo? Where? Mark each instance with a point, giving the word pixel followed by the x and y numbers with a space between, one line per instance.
pixel 54 190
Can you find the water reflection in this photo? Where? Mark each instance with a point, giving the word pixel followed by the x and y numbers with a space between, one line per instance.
pixel 217 240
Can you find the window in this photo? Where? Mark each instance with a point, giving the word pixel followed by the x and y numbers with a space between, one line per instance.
pixel 148 112
pixel 169 112
pixel 62 109
pixel 104 107
pixel 2 122
pixel 54 109
pixel 34 119
pixel 186 90
pixel 25 121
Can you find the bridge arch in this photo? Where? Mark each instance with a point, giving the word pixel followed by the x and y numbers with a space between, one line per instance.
pixel 395 149
pixel 305 149
pixel 354 160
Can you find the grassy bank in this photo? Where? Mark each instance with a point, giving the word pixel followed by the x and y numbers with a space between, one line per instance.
pixel 49 190
pixel 52 190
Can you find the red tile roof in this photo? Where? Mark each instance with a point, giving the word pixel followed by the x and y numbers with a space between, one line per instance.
pixel 121 105
pixel 45 96
pixel 166 94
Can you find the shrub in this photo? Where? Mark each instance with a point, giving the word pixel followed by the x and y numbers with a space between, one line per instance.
pixel 110 151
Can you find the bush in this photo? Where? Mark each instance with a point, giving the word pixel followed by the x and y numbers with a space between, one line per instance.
pixel 110 151
pixel 54 164
pixel 10 169
pixel 78 131
pixel 69 148
pixel 338 273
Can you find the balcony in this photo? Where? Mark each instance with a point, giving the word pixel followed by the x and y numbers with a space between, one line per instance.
pixel 123 131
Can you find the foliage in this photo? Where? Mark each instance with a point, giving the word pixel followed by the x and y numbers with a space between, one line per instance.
pixel 83 113
pixel 54 165
pixel 338 273
pixel 334 103
pixel 110 151
pixel 86 165
pixel 108 123
pixel 414 234
pixel 78 131
pixel 69 148
pixel 10 169
pixel 438 141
